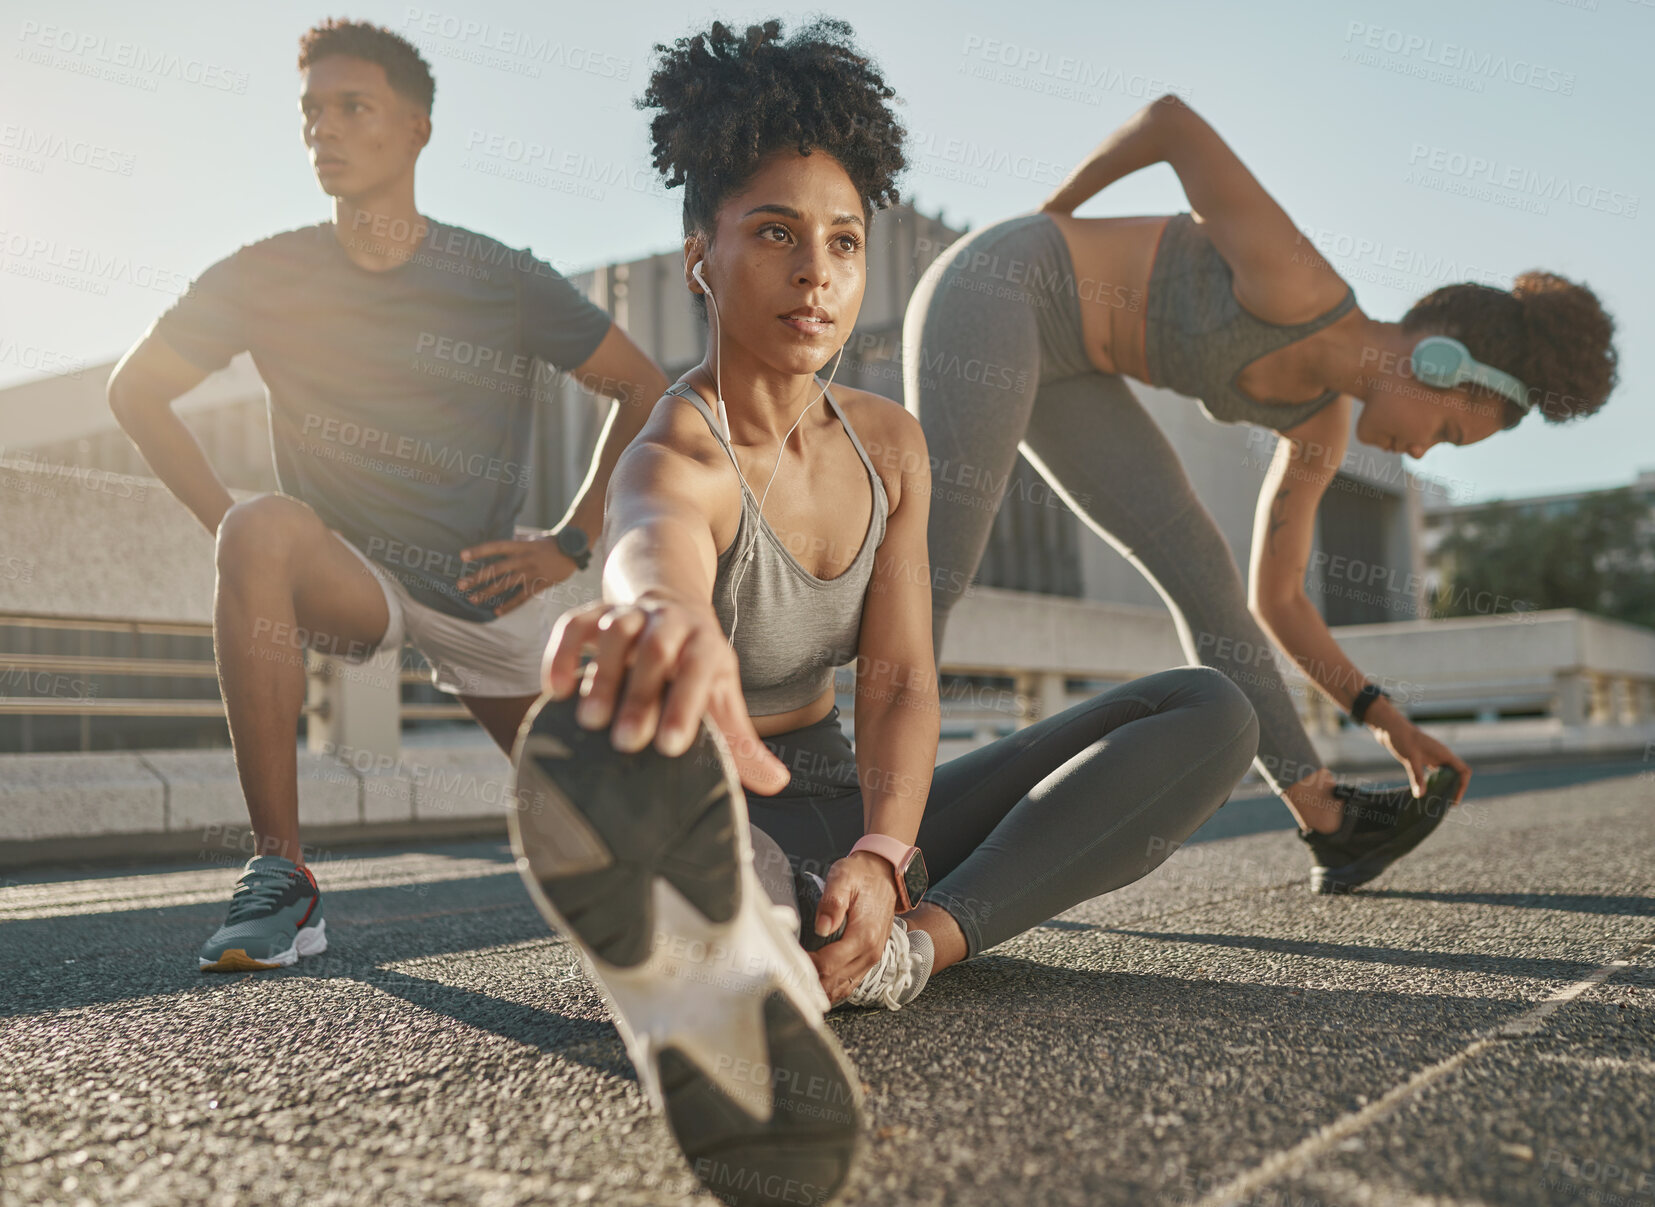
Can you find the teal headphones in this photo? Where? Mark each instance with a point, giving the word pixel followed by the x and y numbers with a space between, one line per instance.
pixel 1444 363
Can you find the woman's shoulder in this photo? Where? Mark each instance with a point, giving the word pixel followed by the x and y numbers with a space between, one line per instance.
pixel 676 435
pixel 890 434
pixel 678 423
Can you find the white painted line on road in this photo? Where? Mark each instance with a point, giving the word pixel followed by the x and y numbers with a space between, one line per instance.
pixel 1530 1022
pixel 1290 1161
pixel 1598 1063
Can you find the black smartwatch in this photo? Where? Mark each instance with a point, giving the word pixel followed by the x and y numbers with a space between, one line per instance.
pixel 1364 699
pixel 572 543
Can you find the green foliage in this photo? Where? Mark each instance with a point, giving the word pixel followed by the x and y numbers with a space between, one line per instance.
pixel 1596 553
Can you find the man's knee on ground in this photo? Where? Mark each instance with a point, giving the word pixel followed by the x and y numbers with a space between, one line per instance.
pixel 259 533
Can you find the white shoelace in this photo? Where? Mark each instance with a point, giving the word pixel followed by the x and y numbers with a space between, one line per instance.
pixel 889 979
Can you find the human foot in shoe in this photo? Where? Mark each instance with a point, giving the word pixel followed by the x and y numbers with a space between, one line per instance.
pixel 644 862
pixel 1378 827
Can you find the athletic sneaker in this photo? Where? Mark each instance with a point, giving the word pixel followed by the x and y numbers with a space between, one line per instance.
pixel 904 966
pixel 644 863
pixel 275 917
pixel 901 972
pixel 1378 828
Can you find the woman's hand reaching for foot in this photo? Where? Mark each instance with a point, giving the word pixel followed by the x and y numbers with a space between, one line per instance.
pixel 861 892
pixel 658 666
pixel 1418 751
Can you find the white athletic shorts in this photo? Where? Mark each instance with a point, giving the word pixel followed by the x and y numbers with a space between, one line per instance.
pixel 499 657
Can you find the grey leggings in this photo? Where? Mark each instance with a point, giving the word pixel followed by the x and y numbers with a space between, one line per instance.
pixel 989 369
pixel 1017 831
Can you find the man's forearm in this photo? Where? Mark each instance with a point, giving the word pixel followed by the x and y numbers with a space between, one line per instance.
pixel 175 456
pixel 625 420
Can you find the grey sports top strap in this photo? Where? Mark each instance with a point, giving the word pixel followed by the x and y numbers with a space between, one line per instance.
pixel 1199 338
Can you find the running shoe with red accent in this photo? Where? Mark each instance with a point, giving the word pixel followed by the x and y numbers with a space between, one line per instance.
pixel 275 917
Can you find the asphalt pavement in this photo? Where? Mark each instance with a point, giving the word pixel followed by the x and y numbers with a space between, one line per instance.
pixel 1476 1028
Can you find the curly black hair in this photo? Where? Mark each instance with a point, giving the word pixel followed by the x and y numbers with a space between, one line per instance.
pixel 727 100
pixel 1551 334
pixel 405 70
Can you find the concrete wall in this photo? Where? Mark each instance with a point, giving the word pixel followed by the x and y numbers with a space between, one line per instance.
pixel 54 805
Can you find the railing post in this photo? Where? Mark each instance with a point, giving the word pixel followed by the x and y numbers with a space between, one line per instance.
pixel 1573 699
pixel 354 708
pixel 1040 694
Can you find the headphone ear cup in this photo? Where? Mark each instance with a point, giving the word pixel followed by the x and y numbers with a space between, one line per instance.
pixel 1436 361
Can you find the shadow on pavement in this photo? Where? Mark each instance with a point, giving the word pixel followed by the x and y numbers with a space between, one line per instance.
pixel 1399 957
pixel 1578 903
pixel 588 1041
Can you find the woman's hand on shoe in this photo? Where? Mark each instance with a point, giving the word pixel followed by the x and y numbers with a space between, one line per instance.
pixel 861 892
pixel 658 667
pixel 1418 751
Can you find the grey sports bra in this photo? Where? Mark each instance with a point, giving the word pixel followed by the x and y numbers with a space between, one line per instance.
pixel 791 628
pixel 1199 338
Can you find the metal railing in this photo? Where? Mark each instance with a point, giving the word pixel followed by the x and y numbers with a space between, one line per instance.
pixel 13 661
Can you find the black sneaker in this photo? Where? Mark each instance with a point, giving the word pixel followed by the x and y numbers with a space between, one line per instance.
pixel 644 863
pixel 1379 827
pixel 807 897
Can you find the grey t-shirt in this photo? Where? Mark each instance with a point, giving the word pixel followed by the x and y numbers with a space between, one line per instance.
pixel 399 400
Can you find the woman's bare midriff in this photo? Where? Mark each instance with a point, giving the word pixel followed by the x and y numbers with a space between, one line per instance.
pixel 805 714
pixel 1113 259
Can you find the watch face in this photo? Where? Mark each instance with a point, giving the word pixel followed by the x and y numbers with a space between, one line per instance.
pixel 915 878
pixel 571 540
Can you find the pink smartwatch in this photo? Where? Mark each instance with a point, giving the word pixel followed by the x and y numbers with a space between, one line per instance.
pixel 906 862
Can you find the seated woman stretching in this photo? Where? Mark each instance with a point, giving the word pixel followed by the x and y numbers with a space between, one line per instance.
pixel 713 651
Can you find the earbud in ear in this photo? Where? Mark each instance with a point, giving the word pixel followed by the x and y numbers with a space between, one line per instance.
pixel 695 271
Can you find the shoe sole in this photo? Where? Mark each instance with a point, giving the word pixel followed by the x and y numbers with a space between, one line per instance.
pixel 309 941
pixel 644 862
pixel 1359 871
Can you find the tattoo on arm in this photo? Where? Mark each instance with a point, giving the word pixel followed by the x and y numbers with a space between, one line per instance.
pixel 1277 520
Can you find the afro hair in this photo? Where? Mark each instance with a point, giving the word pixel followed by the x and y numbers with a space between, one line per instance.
pixel 728 100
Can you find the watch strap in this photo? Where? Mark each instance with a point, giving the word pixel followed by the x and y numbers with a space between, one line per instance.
pixel 581 557
pixel 895 852
pixel 1364 700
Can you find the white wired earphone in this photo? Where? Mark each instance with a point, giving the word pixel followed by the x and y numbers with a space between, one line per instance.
pixel 724 418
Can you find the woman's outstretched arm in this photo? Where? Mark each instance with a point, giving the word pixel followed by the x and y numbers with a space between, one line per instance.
pixel 1284 533
pixel 660 658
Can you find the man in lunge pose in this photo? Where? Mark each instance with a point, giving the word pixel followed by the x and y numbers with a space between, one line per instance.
pixel 399 352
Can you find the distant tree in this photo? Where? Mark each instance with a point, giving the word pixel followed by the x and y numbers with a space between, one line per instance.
pixel 1596 554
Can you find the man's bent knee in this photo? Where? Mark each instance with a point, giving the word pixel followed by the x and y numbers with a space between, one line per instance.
pixel 258 533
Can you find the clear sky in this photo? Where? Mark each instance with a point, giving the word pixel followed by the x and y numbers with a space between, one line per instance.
pixel 1417 143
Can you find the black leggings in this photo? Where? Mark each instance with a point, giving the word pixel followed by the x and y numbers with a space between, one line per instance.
pixel 1073 806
